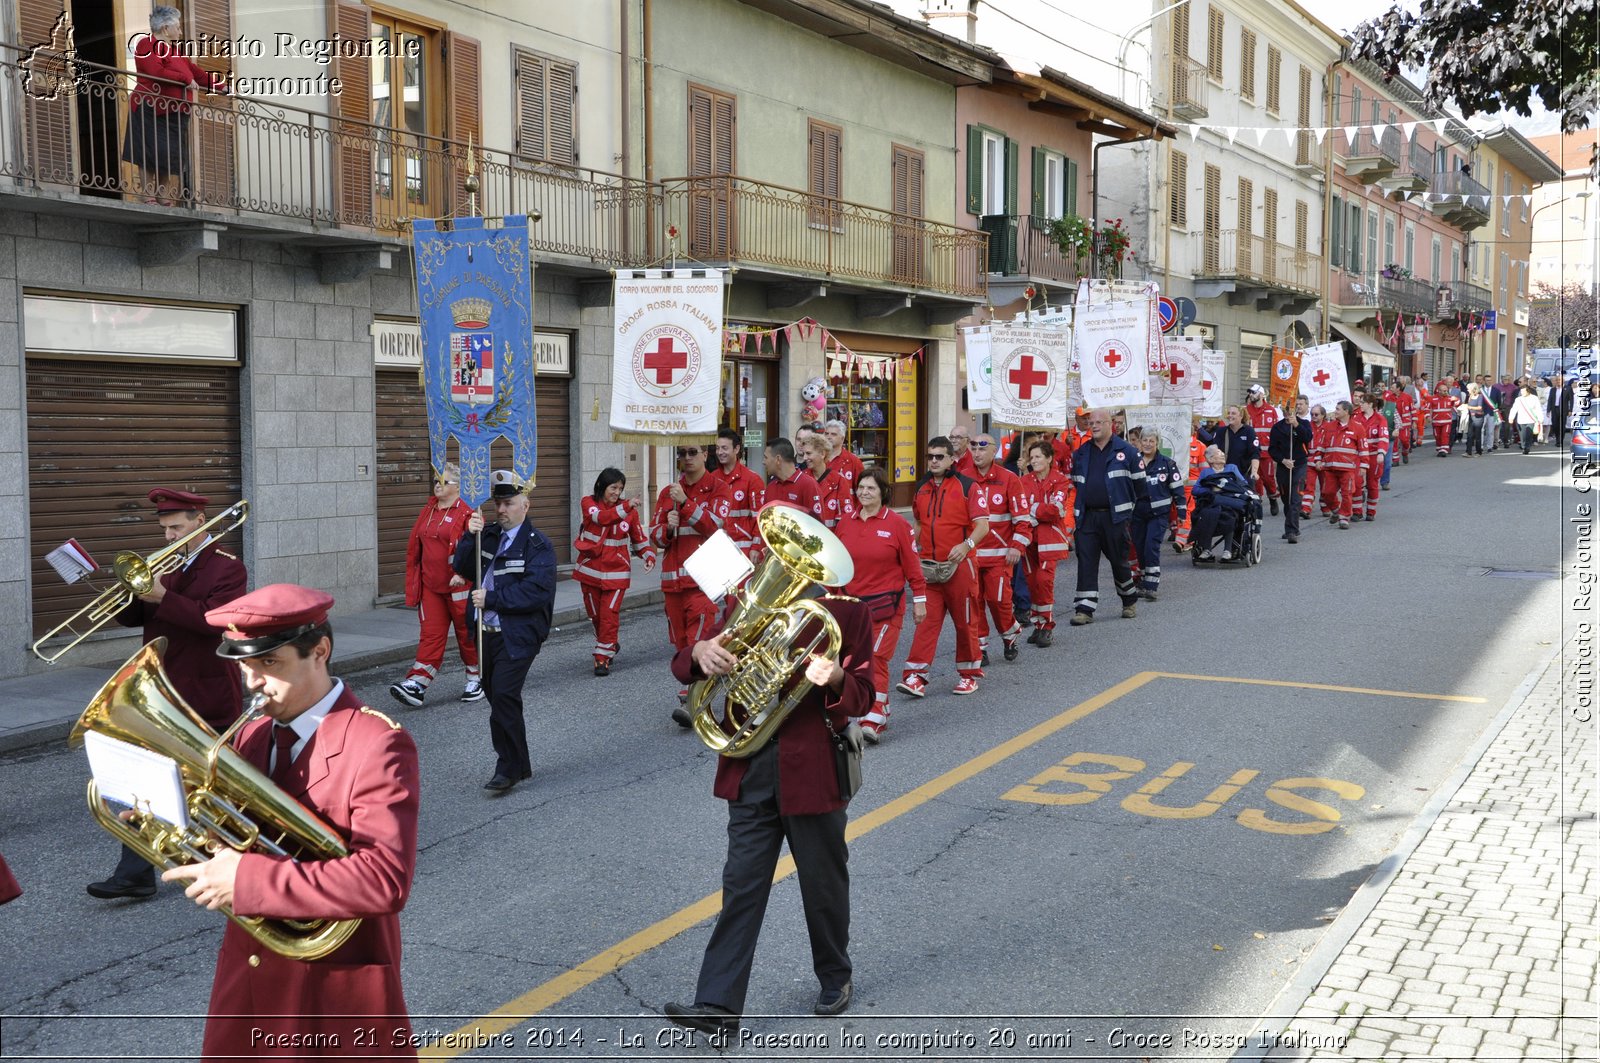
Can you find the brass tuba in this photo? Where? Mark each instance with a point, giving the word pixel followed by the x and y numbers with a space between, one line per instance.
pixel 229 801
pixel 134 575
pixel 767 627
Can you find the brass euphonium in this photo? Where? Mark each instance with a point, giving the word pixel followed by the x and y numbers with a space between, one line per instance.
pixel 229 802
pixel 767 626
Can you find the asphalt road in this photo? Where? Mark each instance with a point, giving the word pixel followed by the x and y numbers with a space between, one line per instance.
pixel 1143 829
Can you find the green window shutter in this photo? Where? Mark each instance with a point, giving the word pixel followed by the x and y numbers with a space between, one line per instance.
pixel 1070 189
pixel 974 170
pixel 1037 205
pixel 1336 233
pixel 1013 154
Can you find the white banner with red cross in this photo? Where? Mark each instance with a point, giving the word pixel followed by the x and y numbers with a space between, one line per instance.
pixel 1180 382
pixel 1028 378
pixel 1112 342
pixel 666 362
pixel 1213 373
pixel 1323 379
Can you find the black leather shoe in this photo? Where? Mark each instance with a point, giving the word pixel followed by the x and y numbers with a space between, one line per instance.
pixel 681 717
pixel 1274 503
pixel 985 662
pixel 833 1001
pixel 707 1018
pixel 500 783
pixel 1011 650
pixel 113 889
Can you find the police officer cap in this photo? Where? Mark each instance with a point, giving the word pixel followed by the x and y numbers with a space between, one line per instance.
pixel 505 484
pixel 267 618
pixel 172 500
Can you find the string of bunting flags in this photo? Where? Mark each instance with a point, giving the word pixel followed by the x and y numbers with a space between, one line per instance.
pixel 841 360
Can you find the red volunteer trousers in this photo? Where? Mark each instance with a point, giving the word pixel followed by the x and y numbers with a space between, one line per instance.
pixel 1374 484
pixel 437 614
pixel 957 599
pixel 993 588
pixel 1041 575
pixel 690 615
pixel 885 639
pixel 1308 499
pixel 604 607
pixel 1339 490
pixel 1441 436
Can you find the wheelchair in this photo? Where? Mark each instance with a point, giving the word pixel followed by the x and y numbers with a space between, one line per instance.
pixel 1244 543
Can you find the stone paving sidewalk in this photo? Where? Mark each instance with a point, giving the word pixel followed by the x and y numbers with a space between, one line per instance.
pixel 1484 943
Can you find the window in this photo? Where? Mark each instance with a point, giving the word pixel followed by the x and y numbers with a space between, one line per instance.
pixel 1505 203
pixel 906 169
pixel 1411 247
pixel 712 128
pixel 1336 232
pixel 1338 101
pixel 1214 44
pixel 1355 237
pixel 1455 262
pixel 1212 221
pixel 1055 187
pixel 1180 33
pixel 1178 189
pixel 991 172
pixel 1388 238
pixel 1269 216
pixel 1355 103
pixel 1247 208
pixel 994 174
pixel 546 108
pixel 824 144
pixel 1274 68
pixel 1372 240
pixel 1435 261
pixel 1303 139
pixel 1524 202
pixel 1247 64
pixel 1505 274
pixel 1302 222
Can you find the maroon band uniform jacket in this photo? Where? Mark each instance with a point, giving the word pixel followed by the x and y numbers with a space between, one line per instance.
pixel 808 784
pixel 210 684
pixel 358 772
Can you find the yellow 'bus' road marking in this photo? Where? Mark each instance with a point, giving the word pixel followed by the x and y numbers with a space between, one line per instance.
pixel 602 964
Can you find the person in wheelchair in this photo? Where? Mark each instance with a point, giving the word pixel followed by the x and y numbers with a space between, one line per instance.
pixel 1221 501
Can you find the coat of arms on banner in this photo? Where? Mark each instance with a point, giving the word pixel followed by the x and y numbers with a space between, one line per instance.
pixel 471 356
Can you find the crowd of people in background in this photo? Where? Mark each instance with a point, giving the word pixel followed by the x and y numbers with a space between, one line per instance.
pixel 995 515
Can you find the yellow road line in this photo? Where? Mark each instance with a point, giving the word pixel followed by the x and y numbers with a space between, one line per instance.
pixel 1322 686
pixel 602 964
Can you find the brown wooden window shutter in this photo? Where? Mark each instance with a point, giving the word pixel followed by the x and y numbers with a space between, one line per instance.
pixel 1180 32
pixel 1274 67
pixel 906 169
pixel 1269 215
pixel 1214 43
pixel 214 132
pixel 1302 223
pixel 823 153
pixel 463 70
pixel 546 109
pixel 1212 221
pixel 353 22
pixel 1247 207
pixel 1247 64
pixel 1178 178
pixel 712 131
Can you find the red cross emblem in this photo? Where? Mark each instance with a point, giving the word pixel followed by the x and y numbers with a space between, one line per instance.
pixel 666 358
pixel 1175 374
pixel 1322 377
pixel 666 361
pixel 1113 358
pixel 1026 377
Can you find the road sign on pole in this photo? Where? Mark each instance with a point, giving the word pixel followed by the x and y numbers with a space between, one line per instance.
pixel 1169 313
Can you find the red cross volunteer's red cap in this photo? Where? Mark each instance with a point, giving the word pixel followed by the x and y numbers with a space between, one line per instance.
pixel 172 500
pixel 267 618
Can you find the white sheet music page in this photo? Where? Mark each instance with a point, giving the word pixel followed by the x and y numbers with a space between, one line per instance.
pixel 718 566
pixel 130 775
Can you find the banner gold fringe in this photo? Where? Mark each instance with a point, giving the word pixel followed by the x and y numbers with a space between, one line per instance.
pixel 664 439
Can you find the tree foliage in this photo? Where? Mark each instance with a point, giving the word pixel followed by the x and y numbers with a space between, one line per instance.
pixel 1558 312
pixel 1493 55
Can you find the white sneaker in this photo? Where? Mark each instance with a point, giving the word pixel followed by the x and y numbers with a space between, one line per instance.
pixel 409 692
pixel 473 691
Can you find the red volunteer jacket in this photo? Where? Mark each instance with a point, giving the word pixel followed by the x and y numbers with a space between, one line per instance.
pixel 606 534
pixel 431 547
pixel 885 557
pixel 835 501
pixel 1009 513
pixel 1345 446
pixel 1050 508
pixel 946 513
pixel 847 465
pixel 701 514
pixel 747 493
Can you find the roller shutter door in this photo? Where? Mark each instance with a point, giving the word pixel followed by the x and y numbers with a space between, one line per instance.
pixel 101 435
pixel 405 476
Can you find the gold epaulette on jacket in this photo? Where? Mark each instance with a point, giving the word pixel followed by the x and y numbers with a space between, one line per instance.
pixel 840 598
pixel 230 557
pixel 385 717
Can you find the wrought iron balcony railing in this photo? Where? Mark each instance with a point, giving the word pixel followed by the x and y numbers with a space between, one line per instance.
pixel 1259 261
pixel 1018 247
pixel 1188 89
pixel 733 219
pixel 1470 298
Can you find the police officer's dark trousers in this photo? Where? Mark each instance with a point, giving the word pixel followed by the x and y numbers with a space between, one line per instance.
pixel 503 676
pixel 1097 535
pixel 756 833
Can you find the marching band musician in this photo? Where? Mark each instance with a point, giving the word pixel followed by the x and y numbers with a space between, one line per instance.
pixel 175 609
pixel 514 606
pixel 787 790
pixel 356 769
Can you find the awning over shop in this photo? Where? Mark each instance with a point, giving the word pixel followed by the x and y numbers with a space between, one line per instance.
pixel 1372 352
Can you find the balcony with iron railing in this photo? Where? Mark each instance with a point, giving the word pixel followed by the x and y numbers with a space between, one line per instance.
pixel 741 221
pixel 1464 298
pixel 1459 200
pixel 1414 172
pixel 257 165
pixel 1020 247
pixel 1187 94
pixel 1410 294
pixel 1371 156
pixel 1356 290
pixel 1255 263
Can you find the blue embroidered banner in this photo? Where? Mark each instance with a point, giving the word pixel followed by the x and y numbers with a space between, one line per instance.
pixel 475 303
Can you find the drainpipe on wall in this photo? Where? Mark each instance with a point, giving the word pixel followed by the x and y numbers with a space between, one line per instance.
pixel 1327 202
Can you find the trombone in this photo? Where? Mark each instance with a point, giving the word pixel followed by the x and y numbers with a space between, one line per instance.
pixel 134 575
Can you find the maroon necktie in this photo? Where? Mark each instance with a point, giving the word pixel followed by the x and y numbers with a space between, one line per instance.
pixel 283 739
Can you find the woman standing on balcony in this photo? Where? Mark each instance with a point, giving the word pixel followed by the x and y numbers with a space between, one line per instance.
pixel 158 109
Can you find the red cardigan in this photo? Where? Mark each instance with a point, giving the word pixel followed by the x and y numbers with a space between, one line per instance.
pixel 808 784
pixel 158 59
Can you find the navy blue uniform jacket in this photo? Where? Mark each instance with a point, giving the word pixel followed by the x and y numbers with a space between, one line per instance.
pixel 524 590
